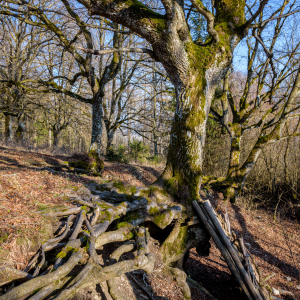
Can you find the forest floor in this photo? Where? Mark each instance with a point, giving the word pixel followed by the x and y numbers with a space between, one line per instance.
pixel 28 184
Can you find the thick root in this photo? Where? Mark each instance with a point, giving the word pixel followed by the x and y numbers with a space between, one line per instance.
pixel 84 228
pixel 9 274
pixel 180 278
pixel 112 283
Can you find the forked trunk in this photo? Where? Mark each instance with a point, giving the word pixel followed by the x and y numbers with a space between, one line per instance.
pixel 194 92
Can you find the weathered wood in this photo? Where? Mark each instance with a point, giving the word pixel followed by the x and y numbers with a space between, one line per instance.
pixel 209 209
pixel 226 217
pixel 210 228
pixel 9 274
pixel 200 287
pixel 247 267
pixel 235 248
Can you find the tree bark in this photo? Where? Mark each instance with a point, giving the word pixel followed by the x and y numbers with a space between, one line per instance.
pixel 8 128
pixel 97 126
pixel 235 151
pixel 195 69
pixel 55 138
pixel 49 138
pixel 155 148
pixel 195 82
pixel 20 132
pixel 110 136
pixel 129 131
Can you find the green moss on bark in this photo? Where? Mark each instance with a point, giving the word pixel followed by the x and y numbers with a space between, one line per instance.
pixel 176 244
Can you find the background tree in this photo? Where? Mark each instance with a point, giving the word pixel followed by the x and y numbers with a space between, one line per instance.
pixel 66 38
pixel 20 45
pixel 261 104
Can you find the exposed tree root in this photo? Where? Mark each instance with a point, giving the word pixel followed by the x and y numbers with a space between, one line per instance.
pixel 180 278
pixel 115 214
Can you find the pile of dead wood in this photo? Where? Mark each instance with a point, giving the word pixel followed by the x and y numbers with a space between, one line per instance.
pixel 240 261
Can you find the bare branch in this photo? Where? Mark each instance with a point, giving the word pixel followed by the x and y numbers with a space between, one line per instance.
pixel 209 18
pixel 257 13
pixel 113 50
pixel 274 18
pixel 169 8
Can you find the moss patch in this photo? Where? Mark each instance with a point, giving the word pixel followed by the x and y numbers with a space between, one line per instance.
pixel 120 186
pixel 175 245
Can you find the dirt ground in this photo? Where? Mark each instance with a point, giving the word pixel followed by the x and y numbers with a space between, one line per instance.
pixel 27 187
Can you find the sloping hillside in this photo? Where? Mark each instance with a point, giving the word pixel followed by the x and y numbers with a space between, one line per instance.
pixel 31 182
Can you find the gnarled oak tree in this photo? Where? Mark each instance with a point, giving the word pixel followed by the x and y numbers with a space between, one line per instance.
pixel 194 68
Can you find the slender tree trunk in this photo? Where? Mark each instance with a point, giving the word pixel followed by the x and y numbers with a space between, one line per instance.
pixel 155 149
pixel 55 138
pixel 70 138
pixel 235 154
pixel 233 177
pixel 97 126
pixel 110 136
pixel 49 138
pixel 8 128
pixel 129 124
pixel 129 133
pixel 34 134
pixel 20 132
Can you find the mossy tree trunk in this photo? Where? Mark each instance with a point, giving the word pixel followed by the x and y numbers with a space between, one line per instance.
pixel 110 132
pixel 196 75
pixel 194 68
pixel 233 177
pixel 20 132
pixel 260 114
pixel 55 138
pixel 235 155
pixel 97 126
